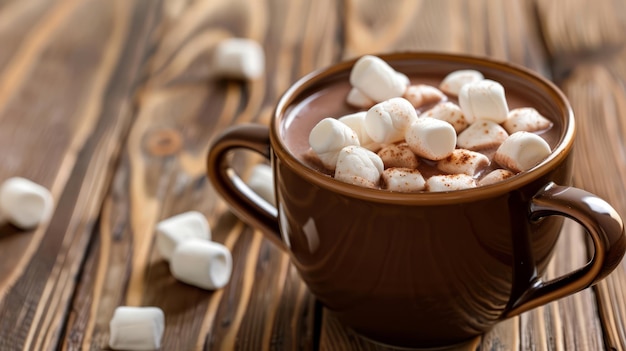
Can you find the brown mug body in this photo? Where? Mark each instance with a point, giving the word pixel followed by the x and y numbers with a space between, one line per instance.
pixel 428 269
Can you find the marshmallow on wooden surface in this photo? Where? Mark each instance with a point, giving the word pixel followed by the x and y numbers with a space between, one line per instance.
pixel 454 81
pixel 463 161
pixel 482 134
pixel 327 139
pixel 239 58
pixel 450 182
pixel 522 151
pixel 136 328
pixel 387 121
pixel 357 99
pixel 422 94
pixel 376 79
pixel 398 155
pixel 179 228
pixel 405 180
pixel 261 181
pixel 525 119
pixel 24 203
pixel 204 264
pixel 495 176
pixel 356 121
pixel 449 112
pixel 359 166
pixel 484 99
pixel 431 138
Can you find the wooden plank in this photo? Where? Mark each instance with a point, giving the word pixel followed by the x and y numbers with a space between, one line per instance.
pixel 64 112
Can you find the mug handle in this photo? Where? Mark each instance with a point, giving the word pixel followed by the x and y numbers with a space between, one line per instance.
pixel 603 225
pixel 244 202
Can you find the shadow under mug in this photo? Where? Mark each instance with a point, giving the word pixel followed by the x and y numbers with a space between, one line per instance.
pixel 426 269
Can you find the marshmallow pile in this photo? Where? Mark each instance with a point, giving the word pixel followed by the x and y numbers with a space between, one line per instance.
pixel 403 129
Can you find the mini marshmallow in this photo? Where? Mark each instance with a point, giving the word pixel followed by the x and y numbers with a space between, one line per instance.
pixel 450 182
pixel 174 230
pixel 24 203
pixel 463 161
pixel 403 179
pixel 359 166
pixel 422 94
pixel 328 137
pixel 136 328
pixel 522 151
pixel 357 99
pixel 431 138
pixel 261 181
pixel 376 79
pixel 356 121
pixel 387 121
pixel 482 134
pixel 483 99
pixel 239 58
pixel 525 119
pixel 204 264
pixel 495 176
pixel 454 81
pixel 398 155
pixel 449 112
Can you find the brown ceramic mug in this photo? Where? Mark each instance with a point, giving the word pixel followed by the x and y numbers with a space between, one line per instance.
pixel 426 269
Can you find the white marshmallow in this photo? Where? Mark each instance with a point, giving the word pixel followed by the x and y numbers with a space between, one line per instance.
pixel 403 78
pixel 422 94
pixel 483 99
pixel 356 121
pixel 525 119
pixel 359 166
pixel 376 79
pixel 463 161
pixel 449 112
pixel 404 180
pixel 359 100
pixel 261 181
pixel 24 203
pixel 136 328
pixel 387 121
pixel 522 151
pixel 239 58
pixel 482 134
pixel 454 81
pixel 398 155
pixel 431 138
pixel 495 176
pixel 177 229
pixel 450 182
pixel 204 264
pixel 328 137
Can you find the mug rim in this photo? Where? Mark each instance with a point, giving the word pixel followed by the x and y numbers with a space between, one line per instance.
pixel 557 156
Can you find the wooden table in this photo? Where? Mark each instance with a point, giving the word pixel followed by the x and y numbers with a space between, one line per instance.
pixel 111 104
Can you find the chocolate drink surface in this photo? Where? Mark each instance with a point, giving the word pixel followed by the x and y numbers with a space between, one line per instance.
pixel 329 100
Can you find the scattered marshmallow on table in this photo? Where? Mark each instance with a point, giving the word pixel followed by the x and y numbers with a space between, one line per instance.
pixel 454 81
pixel 239 58
pixel 327 139
pixel 405 180
pixel 398 155
pixel 24 203
pixel 484 99
pixel 495 176
pixel 525 119
pixel 463 161
pixel 179 228
pixel 422 94
pixel 376 79
pixel 357 99
pixel 136 328
pixel 387 121
pixel 204 264
pixel 356 121
pixel 261 181
pixel 449 182
pixel 522 151
pixel 482 134
pixel 449 112
pixel 431 138
pixel 359 166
